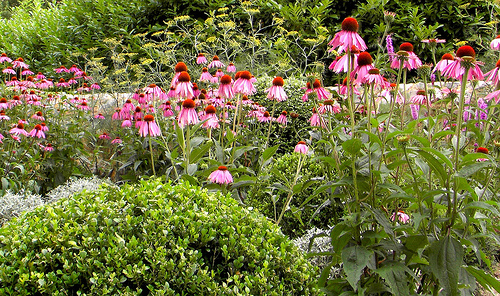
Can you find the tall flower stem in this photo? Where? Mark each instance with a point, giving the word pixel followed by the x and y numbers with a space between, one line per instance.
pixel 152 159
pixel 188 147
pixel 404 98
pixel 270 124
pixel 290 193
pixel 458 133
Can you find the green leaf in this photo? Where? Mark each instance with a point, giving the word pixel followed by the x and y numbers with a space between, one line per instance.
pixel 269 152
pixel 470 169
pixel 381 218
pixel 200 151
pixel 352 146
pixel 482 206
pixel 445 259
pixel 355 259
pixel 394 275
pixel 487 281
pixel 435 164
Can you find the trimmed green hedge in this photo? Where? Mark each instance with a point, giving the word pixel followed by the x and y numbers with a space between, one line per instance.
pixel 150 238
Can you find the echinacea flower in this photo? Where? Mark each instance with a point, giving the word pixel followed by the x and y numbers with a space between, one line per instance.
pixel 188 113
pixel 495 43
pixel 61 69
pixel 216 63
pixel 83 106
pixel 38 116
pixel 276 91
pixel 420 98
pixel 116 140
pixel 210 117
pixel 493 75
pixel 243 83
pixel 4 104
pixel 266 117
pixel 62 83
pixel 48 148
pixel 322 93
pixel 26 72
pixel 184 88
pixel 329 106
pixel 37 132
pixel 201 59
pixel 205 75
pixel 99 116
pixel 149 127
pixel 348 37
pixel 221 176
pixel 9 70
pixel 95 86
pixel 104 136
pixel 465 57
pixel 402 217
pixel 231 68
pixel 433 41
pixel 4 58
pixel 407 56
pixel 153 90
pixel 19 63
pixel 282 118
pixel 179 68
pixel 341 64
pixel 301 147
pixel 482 150
pixel 316 120
pixel 18 130
pixel 446 59
pixel 365 61
pixel 225 88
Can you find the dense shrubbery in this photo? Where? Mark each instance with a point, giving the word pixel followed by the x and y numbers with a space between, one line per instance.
pixel 149 237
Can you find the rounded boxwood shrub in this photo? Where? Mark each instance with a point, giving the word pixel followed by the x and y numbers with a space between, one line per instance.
pixel 150 238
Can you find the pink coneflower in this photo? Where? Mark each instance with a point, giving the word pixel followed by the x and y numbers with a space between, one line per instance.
pixel 225 89
pixel 433 42
pixel 322 93
pixel 465 56
pixel 188 113
pixel 28 83
pixel 494 95
pixel 37 132
pixel 117 115
pixel 184 88
pixel 62 83
pixel 127 123
pixel 420 98
pixel 205 75
pixel 348 37
pixel 49 148
pixel 266 117
pixel 221 176
pixel 495 43
pixel 3 116
pixel 128 105
pixel 4 104
pixel 16 100
pixel 95 86
pixel 374 77
pixel 19 130
pixel 167 109
pixel 38 116
pixel 149 127
pixel 446 59
pixel 196 90
pixel 44 84
pixel 19 63
pixel 282 119
pixel 61 69
pixel 341 64
pixel 9 70
pixel 39 76
pixel 104 136
pixel 216 63
pixel 243 83
pixel 12 82
pixel 83 106
pixel 4 58
pixel 99 116
pixel 27 72
pixel 301 147
pixel 365 61
pixel 153 90
pixel 231 68
pixel 330 106
pixel 1 138
pixel 309 90
pixel 316 120
pixel 493 74
pixel 201 59
pixel 211 118
pixel 219 73
pixel 45 128
pixel 116 140
pixel 73 69
pixel 409 58
pixel 179 68
pixel 402 217
pixel 276 91
pixel 83 88
pixel 72 81
pixel 138 113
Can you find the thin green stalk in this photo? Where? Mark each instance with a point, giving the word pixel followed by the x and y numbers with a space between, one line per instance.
pixel 152 159
pixel 404 98
pixel 290 193
pixel 456 156
pixel 270 124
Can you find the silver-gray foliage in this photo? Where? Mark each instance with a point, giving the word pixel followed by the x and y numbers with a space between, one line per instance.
pixel 13 205
pixel 322 243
